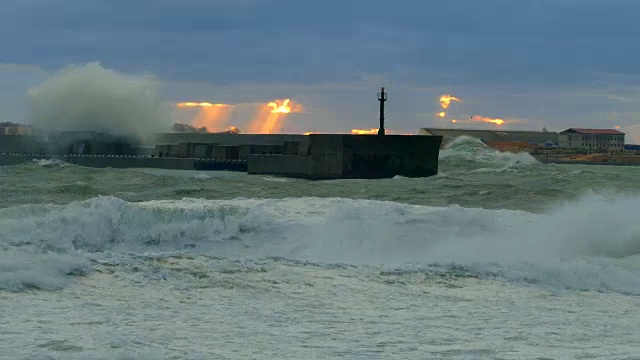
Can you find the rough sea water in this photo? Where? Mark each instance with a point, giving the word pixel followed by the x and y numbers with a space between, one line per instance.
pixel 497 257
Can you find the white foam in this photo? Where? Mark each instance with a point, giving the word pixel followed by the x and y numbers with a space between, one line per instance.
pixel 278 179
pixel 29 269
pixel 465 150
pixel 194 174
pixel 92 98
pixel 50 162
pixel 592 243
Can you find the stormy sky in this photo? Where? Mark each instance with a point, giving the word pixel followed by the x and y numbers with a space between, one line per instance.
pixel 534 63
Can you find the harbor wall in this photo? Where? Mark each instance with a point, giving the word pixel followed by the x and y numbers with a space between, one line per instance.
pixel 315 156
pixel 390 155
pixel 125 162
pixel 355 156
pixel 285 165
pixel 230 139
pixel 20 144
pixel 77 142
pixel 131 162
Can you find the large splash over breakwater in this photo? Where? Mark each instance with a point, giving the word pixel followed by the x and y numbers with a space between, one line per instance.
pixel 44 246
pixel 472 154
pixel 92 98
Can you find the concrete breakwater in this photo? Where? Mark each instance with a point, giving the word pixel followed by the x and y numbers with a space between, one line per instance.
pixel 316 156
pixel 129 161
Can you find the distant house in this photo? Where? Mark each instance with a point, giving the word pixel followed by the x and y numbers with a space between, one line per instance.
pixel 8 128
pixel 593 139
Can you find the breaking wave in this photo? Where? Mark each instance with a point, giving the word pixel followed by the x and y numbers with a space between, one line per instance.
pixel 472 154
pixel 591 244
pixel 50 162
pixel 92 98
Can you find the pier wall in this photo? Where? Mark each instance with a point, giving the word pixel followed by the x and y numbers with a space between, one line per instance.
pixel 355 156
pixel 19 144
pixel 125 162
pixel 285 165
pixel 231 139
pixel 316 156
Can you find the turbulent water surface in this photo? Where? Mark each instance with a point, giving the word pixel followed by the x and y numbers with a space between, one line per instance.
pixel 498 256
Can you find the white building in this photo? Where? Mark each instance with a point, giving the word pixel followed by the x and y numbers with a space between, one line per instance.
pixel 14 129
pixel 593 139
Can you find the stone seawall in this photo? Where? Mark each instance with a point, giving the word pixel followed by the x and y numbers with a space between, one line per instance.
pixel 355 156
pixel 123 162
pixel 316 156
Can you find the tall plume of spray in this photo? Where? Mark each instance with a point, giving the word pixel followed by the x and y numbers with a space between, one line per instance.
pixel 92 98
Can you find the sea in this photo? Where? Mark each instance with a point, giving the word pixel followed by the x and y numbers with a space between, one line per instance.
pixel 496 257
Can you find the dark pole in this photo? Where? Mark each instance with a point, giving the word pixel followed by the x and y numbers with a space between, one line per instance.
pixel 382 97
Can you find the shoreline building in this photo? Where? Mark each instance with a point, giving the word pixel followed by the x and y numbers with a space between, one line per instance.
pixel 591 139
pixel 9 128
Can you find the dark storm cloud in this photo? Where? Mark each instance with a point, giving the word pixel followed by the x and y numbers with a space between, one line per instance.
pixel 557 42
pixel 555 63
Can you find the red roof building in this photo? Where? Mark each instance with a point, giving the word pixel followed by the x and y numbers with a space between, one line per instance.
pixel 593 131
pixel 592 139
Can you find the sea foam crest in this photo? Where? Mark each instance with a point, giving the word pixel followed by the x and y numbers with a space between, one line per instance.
pixel 591 244
pixel 473 153
pixel 50 162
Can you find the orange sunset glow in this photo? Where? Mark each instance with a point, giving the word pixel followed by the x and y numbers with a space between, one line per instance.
pixel 478 118
pixel 214 117
pixel 270 118
pixel 483 119
pixel 364 131
pixel 197 104
pixel 373 131
pixel 445 100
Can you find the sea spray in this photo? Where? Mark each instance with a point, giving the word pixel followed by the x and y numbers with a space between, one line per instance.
pixel 93 98
pixel 563 247
pixel 50 163
pixel 469 153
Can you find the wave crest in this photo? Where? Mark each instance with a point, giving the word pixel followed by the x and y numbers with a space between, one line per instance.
pixel 471 153
pixel 50 162
pixel 570 246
